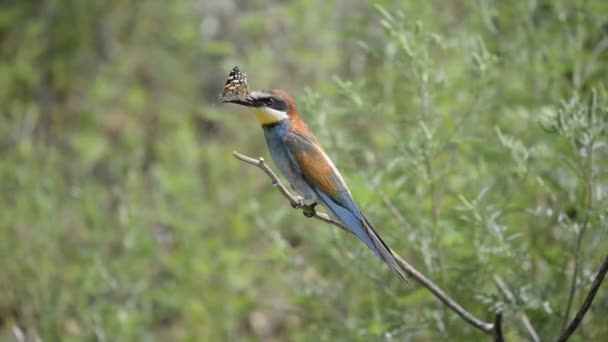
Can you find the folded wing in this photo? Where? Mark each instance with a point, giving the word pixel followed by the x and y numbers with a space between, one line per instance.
pixel 321 174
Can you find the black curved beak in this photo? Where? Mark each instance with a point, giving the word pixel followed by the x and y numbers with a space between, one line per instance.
pixel 247 101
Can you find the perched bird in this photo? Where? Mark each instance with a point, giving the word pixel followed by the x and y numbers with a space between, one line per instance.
pixel 300 158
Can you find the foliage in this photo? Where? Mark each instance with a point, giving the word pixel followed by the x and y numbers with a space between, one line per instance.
pixel 473 134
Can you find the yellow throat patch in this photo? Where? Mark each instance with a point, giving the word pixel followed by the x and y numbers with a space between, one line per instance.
pixel 268 116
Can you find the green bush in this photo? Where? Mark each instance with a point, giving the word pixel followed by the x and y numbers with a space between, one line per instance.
pixel 473 135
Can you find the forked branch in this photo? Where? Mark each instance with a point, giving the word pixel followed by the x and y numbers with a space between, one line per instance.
pixel 494 329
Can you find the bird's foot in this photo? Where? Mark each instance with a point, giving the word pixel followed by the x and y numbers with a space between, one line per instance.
pixel 298 204
pixel 309 209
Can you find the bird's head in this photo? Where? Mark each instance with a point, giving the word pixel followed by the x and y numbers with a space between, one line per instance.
pixel 269 106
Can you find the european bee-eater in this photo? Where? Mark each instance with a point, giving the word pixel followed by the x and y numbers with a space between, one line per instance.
pixel 300 158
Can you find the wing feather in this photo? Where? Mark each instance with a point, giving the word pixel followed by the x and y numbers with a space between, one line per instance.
pixel 323 177
pixel 318 170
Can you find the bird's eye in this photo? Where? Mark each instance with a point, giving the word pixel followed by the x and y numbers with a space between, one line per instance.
pixel 269 101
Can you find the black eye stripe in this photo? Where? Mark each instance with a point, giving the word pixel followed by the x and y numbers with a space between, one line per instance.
pixel 276 103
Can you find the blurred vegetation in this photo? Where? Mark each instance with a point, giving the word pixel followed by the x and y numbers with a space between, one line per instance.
pixel 473 134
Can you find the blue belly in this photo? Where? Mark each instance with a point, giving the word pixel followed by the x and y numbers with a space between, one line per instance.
pixel 275 134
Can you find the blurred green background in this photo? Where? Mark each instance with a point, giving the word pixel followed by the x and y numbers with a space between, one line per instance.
pixel 472 133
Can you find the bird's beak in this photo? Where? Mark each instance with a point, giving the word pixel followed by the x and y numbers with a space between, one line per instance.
pixel 247 101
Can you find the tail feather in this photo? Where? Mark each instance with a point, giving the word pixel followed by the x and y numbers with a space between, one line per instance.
pixel 360 226
pixel 384 252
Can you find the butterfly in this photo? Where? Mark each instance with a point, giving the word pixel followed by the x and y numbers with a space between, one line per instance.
pixel 236 87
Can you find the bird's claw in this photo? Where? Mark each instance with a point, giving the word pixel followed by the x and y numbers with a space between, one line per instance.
pixel 299 203
pixel 309 209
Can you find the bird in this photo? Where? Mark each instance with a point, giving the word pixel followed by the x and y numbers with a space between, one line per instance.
pixel 301 159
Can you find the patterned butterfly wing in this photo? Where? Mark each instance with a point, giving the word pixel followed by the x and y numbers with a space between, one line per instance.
pixel 236 87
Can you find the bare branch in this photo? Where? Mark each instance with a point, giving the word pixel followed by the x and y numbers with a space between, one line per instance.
pixel 500 284
pixel 494 329
pixel 276 182
pixel 442 296
pixel 580 314
pixel 497 331
pixel 577 266
pixel 260 163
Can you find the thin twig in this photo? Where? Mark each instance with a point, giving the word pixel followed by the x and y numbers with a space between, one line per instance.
pixel 430 172
pixel 442 296
pixel 276 182
pixel 577 266
pixel 494 329
pixel 393 208
pixel 502 287
pixel 580 314
pixel 588 178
